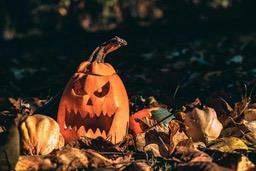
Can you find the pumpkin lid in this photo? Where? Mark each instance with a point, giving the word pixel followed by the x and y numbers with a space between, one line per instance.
pixel 97 66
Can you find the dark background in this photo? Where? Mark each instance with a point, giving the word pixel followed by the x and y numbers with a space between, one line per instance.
pixel 198 47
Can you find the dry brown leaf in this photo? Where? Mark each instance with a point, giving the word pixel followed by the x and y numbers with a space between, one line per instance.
pixel 152 148
pixel 187 154
pixel 26 106
pixel 238 112
pixel 240 107
pixel 145 140
pixel 123 161
pixel 69 158
pixel 202 166
pixel 235 161
pixel 138 166
pixel 202 125
pixel 97 160
pixel 191 127
pixel 222 108
pixel 194 104
pixel 250 114
pixel 188 143
pixel 250 133
pixel 209 123
pixel 245 164
pixel 176 135
pixel 232 131
pixel 16 103
pixel 250 138
pixel 251 126
pixel 30 163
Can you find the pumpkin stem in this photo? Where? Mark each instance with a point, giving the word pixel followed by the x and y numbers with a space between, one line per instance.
pixel 93 53
pixel 107 47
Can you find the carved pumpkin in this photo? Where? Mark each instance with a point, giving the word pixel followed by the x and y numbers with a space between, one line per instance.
pixel 94 102
pixel 40 135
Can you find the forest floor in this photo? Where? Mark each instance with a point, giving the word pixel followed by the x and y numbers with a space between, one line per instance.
pixel 173 67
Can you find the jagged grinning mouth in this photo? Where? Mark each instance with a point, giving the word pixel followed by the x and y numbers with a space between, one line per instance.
pixel 75 120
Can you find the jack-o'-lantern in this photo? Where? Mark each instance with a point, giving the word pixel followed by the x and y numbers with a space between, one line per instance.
pixel 94 102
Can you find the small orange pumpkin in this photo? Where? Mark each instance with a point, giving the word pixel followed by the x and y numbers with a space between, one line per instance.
pixel 135 126
pixel 94 102
pixel 40 135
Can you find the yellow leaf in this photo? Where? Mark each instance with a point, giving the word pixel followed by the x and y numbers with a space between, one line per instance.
pixel 229 144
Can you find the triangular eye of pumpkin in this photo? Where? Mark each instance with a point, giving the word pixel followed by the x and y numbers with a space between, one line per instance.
pixel 102 91
pixel 78 88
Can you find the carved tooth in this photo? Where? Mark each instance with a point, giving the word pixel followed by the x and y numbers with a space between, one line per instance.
pixel 83 114
pixel 90 133
pixel 69 127
pixel 104 110
pixel 97 111
pixel 97 133
pixel 65 126
pixel 81 131
pixel 104 113
pixel 104 134
pixel 69 110
pixel 75 110
pixel 75 128
pixel 109 114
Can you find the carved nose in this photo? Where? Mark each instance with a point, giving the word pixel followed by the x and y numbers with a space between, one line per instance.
pixel 89 102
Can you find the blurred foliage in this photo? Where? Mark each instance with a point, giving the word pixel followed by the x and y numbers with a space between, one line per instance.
pixel 36 17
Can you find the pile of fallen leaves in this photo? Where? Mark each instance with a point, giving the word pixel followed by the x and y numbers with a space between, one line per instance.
pixel 220 136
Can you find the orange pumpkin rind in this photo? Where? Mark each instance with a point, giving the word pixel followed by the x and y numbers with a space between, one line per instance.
pixel 94 102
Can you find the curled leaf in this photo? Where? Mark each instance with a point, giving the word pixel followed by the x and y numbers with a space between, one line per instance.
pixel 251 126
pixel 154 149
pixel 70 158
pixel 250 115
pixel 203 166
pixel 245 164
pixel 176 135
pixel 152 141
pixel 202 125
pixel 40 135
pixel 139 165
pixel 228 144
pixel 222 108
pixel 33 163
pixel 188 154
